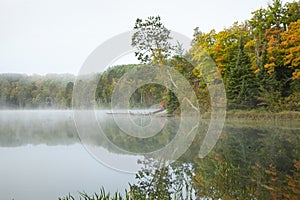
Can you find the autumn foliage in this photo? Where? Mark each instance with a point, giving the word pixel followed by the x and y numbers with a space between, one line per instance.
pixel 259 59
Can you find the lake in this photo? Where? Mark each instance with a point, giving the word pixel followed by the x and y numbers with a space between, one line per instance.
pixel 45 155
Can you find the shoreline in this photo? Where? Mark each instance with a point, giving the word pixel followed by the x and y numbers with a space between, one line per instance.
pixel 253 115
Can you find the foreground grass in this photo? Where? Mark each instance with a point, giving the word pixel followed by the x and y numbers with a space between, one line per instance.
pixel 102 195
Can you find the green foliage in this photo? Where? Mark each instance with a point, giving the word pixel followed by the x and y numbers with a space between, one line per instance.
pixel 144 97
pixel 147 96
pixel 151 40
pixel 172 102
pixel 241 82
pixel 22 91
pixel 107 82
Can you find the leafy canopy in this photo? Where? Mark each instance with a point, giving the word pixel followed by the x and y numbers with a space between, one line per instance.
pixel 151 40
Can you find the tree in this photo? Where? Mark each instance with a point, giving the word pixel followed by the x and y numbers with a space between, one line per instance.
pixel 151 40
pixel 69 93
pixel 227 50
pixel 291 47
pixel 291 12
pixel 240 81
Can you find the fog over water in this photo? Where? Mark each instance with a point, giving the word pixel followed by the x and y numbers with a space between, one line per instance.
pixel 43 157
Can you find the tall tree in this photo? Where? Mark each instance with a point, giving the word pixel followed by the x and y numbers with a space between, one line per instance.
pixel 151 40
pixel 240 82
pixel 290 45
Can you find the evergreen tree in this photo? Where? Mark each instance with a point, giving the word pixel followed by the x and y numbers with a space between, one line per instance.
pixel 241 88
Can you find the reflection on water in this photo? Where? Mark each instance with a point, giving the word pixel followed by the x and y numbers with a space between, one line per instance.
pixel 51 127
pixel 40 152
pixel 251 162
pixel 48 172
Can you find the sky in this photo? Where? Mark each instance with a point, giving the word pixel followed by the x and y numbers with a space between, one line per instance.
pixel 57 36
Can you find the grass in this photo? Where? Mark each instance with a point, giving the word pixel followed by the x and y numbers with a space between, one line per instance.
pixel 102 195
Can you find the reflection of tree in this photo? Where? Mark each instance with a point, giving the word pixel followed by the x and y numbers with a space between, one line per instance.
pixel 140 145
pixel 158 181
pixel 250 163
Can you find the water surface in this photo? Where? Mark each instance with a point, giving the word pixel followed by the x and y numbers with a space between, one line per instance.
pixel 41 157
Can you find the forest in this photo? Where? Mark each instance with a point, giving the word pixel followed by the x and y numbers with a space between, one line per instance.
pixel 258 59
pixel 21 91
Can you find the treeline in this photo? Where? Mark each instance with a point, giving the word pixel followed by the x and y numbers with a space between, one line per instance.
pixel 23 91
pixel 259 59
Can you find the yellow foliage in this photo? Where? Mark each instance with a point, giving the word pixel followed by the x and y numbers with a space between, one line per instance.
pixel 291 47
pixel 296 74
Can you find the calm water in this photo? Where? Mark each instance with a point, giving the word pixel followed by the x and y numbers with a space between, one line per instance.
pixel 42 157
